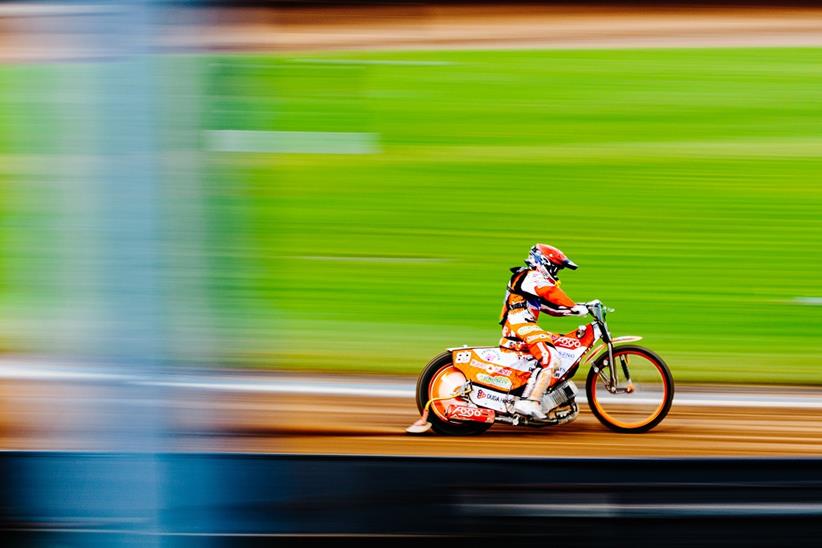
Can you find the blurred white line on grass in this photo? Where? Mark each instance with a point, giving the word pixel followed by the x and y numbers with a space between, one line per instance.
pixel 292 142
pixel 366 259
pixel 391 62
pixel 810 301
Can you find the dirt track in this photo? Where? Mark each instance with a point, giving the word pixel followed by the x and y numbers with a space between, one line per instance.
pixel 29 34
pixel 296 425
pixel 39 415
pixel 512 26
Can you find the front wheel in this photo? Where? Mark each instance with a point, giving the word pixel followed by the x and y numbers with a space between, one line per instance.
pixel 440 379
pixel 645 390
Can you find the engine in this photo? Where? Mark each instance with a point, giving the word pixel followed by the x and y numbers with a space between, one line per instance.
pixel 561 394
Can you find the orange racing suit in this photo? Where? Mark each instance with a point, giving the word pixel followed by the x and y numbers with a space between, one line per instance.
pixel 528 294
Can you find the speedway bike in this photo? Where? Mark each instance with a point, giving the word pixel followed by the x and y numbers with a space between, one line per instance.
pixel 465 390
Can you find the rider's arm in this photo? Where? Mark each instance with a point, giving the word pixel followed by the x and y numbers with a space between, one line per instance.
pixel 553 300
pixel 557 303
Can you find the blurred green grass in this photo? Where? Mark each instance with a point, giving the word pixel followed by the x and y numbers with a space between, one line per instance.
pixel 686 183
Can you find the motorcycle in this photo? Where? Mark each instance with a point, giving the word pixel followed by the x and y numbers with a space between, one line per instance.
pixel 465 390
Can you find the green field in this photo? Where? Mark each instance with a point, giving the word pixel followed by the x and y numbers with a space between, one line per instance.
pixel 686 183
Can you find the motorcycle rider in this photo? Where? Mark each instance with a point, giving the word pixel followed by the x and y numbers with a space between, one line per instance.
pixel 530 291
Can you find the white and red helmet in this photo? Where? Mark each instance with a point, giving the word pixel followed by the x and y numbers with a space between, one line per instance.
pixel 548 260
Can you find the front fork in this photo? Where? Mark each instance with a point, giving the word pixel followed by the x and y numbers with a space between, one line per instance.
pixel 613 384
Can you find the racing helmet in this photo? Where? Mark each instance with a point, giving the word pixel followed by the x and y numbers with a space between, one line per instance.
pixel 548 260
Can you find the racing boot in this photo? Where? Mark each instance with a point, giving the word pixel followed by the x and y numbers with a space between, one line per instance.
pixel 531 405
pixel 422 425
pixel 530 408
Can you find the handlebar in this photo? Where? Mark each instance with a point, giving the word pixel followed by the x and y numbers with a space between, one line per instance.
pixel 598 311
pixel 596 303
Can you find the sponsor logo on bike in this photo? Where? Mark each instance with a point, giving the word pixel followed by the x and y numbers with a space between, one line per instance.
pixel 567 356
pixel 501 382
pixel 567 342
pixel 463 412
pixel 483 395
pixel 499 370
pixel 491 368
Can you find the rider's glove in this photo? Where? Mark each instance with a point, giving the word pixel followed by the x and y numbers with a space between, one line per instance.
pixel 579 310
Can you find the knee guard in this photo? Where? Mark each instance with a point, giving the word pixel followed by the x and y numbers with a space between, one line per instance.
pixel 545 376
pixel 546 355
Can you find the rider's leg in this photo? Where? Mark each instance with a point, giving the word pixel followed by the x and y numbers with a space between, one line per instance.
pixel 539 344
pixel 548 358
pixel 543 378
pixel 547 375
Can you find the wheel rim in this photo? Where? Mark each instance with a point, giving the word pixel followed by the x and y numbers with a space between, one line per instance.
pixel 443 384
pixel 638 408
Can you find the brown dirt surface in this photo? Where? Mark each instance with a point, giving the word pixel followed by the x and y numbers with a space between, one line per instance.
pixel 344 425
pixel 43 415
pixel 36 33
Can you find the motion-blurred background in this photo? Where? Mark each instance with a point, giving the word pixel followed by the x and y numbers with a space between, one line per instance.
pixel 344 187
pixel 237 226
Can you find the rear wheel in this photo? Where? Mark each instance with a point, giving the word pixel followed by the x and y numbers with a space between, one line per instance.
pixel 440 379
pixel 638 406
